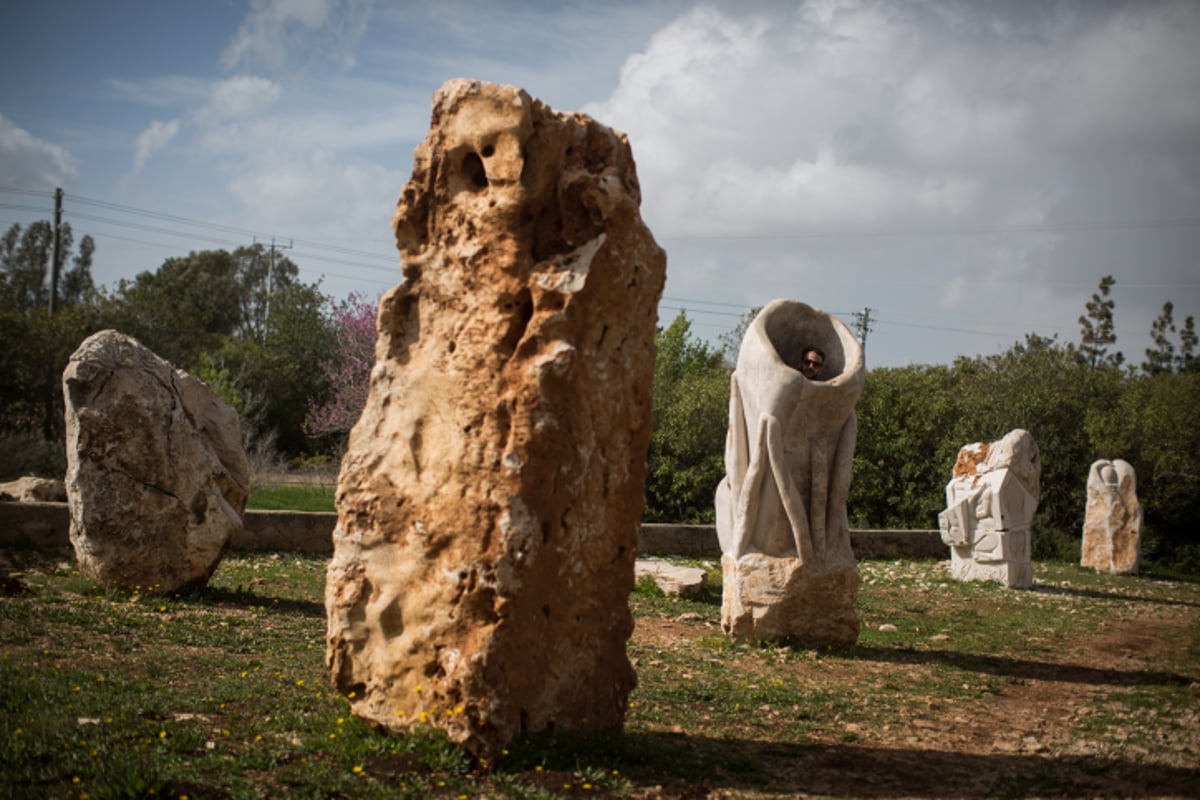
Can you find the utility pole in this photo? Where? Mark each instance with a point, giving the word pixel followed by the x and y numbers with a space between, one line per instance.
pixel 56 267
pixel 271 273
pixel 862 324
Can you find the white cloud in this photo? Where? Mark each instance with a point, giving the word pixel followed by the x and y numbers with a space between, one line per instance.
pixel 243 96
pixel 324 195
pixel 152 140
pixel 27 162
pixel 277 33
pixel 895 154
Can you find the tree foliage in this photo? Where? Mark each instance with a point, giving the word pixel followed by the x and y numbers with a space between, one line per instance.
pixel 1096 329
pixel 691 416
pixel 1164 357
pixel 900 460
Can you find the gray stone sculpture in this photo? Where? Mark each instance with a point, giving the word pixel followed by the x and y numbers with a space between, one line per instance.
pixel 1112 526
pixel 990 503
pixel 157 479
pixel 788 568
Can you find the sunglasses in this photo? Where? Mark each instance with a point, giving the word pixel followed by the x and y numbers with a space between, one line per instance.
pixel 808 362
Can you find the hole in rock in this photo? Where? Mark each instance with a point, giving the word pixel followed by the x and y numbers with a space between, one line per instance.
pixel 488 151
pixel 522 311
pixel 546 611
pixel 545 532
pixel 473 171
pixel 452 347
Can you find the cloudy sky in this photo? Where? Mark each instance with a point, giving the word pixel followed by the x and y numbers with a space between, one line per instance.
pixel 967 171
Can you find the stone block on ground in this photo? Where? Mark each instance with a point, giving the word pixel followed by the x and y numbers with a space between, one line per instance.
pixel 489 500
pixel 32 489
pixel 157 479
pixel 673 579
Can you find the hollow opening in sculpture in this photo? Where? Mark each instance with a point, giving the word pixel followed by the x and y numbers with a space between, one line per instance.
pixel 473 171
pixel 791 333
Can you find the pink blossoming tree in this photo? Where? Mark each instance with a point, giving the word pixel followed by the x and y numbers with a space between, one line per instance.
pixel 349 371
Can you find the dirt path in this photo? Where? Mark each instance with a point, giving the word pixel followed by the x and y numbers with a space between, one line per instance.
pixel 1065 724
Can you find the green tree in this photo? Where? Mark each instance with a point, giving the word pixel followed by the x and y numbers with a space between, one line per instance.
pixel 38 345
pixel 1096 329
pixel 691 413
pixel 1155 426
pixel 1048 390
pixel 184 309
pixel 27 261
pixel 1162 357
pixel 903 456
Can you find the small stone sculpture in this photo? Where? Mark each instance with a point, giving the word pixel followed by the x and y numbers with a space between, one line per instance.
pixel 1112 527
pixel 990 503
pixel 489 500
pixel 157 479
pixel 788 568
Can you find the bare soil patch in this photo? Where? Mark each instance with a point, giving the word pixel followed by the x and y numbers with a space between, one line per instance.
pixel 1068 720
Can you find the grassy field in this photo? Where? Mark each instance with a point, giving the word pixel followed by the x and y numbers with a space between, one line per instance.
pixel 1085 686
pixel 294 497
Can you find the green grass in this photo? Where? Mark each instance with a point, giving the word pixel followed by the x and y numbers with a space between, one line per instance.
pixel 292 498
pixel 223 692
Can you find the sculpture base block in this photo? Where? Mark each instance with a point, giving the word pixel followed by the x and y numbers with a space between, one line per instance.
pixel 1013 574
pixel 768 598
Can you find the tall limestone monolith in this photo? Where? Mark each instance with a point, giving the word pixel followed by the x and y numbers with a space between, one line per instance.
pixel 489 501
pixel 788 569
pixel 157 479
pixel 1112 524
pixel 990 503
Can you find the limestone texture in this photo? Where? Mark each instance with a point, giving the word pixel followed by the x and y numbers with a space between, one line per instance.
pixel 788 569
pixel 1112 525
pixel 489 500
pixel 32 489
pixel 675 580
pixel 990 503
pixel 157 479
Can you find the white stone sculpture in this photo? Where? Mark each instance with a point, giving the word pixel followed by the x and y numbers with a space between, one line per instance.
pixel 157 479
pixel 489 500
pixel 788 568
pixel 1112 526
pixel 990 503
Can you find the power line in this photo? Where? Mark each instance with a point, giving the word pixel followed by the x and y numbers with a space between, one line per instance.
pixel 1185 222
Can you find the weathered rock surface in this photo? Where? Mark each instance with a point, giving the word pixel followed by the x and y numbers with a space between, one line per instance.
pixel 157 479
pixel 1112 526
pixel 672 579
pixel 32 489
pixel 489 501
pixel 788 569
pixel 990 503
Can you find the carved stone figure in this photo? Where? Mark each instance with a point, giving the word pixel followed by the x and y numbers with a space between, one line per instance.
pixel 157 479
pixel 788 568
pixel 990 503
pixel 489 501
pixel 1112 527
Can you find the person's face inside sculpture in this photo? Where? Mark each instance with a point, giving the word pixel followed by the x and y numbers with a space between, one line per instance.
pixel 811 363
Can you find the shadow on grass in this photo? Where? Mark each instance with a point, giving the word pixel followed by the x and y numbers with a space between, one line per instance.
pixel 1097 594
pixel 1016 667
pixel 692 766
pixel 244 598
